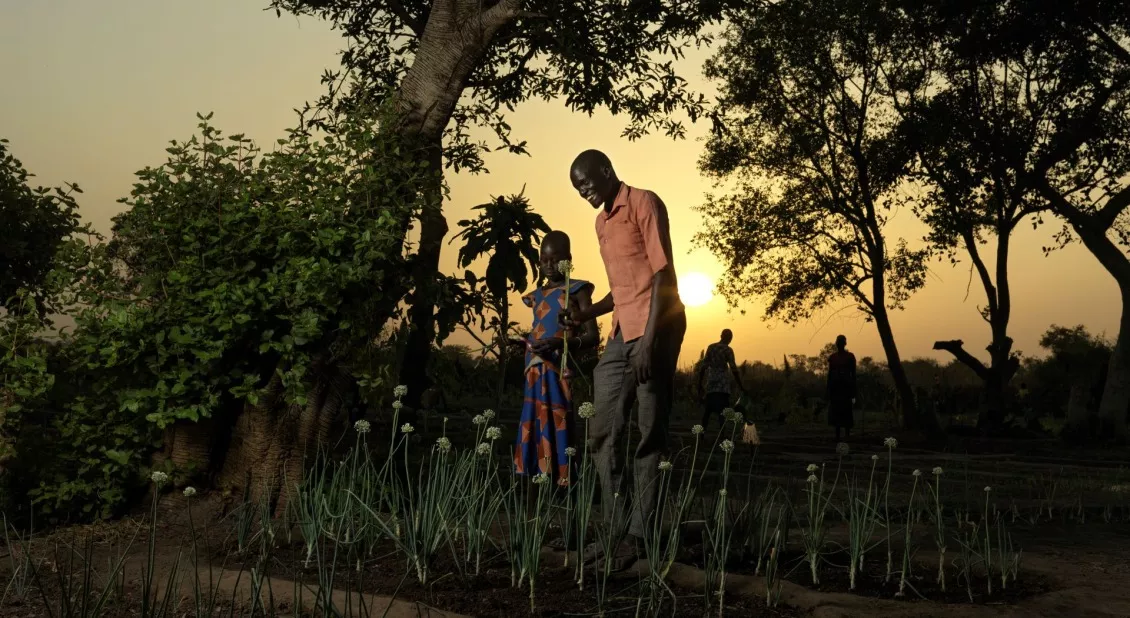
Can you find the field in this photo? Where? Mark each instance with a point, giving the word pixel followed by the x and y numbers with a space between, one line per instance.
pixel 1028 529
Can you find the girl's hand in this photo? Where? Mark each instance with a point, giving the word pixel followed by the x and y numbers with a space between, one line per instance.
pixel 547 346
pixel 518 345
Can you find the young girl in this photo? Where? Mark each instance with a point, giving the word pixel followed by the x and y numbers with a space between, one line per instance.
pixel 546 426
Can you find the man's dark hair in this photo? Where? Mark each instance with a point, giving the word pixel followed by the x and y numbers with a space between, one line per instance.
pixel 841 342
pixel 591 160
pixel 727 334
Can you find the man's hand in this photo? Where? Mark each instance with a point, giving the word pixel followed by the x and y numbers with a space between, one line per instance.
pixel 641 363
pixel 573 317
pixel 546 347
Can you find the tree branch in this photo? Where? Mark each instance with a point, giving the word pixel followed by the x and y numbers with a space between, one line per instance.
pixel 1110 44
pixel 956 348
pixel 416 25
pixel 1114 206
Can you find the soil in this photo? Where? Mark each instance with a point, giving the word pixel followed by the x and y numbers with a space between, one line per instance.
pixel 1073 561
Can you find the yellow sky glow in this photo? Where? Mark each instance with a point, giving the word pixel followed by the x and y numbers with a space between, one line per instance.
pixel 95 90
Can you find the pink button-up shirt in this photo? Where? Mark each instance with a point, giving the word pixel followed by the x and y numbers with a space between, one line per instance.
pixel 635 245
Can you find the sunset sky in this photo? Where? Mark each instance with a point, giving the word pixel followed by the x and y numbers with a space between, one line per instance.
pixel 94 91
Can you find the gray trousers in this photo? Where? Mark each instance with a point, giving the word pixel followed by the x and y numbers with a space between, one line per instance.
pixel 616 390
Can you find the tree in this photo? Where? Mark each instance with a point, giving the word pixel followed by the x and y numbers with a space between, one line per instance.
pixel 1060 133
pixel 454 64
pixel 1086 174
pixel 975 121
pixel 510 233
pixel 34 223
pixel 809 139
pixel 238 277
pixel 1076 357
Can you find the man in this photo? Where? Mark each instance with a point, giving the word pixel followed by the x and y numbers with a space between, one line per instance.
pixel 717 365
pixel 841 388
pixel 639 362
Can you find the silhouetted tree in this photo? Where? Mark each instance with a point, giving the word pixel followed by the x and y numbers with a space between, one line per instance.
pixel 509 233
pixel 808 137
pixel 1039 103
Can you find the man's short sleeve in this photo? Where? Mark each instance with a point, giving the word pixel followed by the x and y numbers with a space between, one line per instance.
pixel 730 356
pixel 651 217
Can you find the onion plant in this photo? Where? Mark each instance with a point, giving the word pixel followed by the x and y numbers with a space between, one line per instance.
pixel 1008 557
pixel 772 578
pixel 939 527
pixel 429 503
pixel 891 445
pixel 907 545
pixel 988 549
pixel 585 490
pixel 481 501
pixel 862 518
pixel 814 533
pixel 719 536
pixel 19 560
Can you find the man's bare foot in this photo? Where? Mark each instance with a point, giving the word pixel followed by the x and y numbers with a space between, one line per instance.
pixel 592 553
pixel 623 556
pixel 559 544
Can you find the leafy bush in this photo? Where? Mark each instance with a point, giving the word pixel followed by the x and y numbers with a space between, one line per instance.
pixel 231 266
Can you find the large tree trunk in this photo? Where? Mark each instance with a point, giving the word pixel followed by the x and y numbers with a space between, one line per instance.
pixel 995 377
pixel 272 442
pixel 914 416
pixel 1093 229
pixel 1002 363
pixel 1115 402
pixel 451 46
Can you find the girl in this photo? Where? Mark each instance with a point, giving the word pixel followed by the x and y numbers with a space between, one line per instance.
pixel 546 426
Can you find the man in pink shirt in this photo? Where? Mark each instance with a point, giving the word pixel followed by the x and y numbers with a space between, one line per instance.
pixel 639 362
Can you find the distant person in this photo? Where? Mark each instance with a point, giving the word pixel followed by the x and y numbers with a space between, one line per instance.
pixel 713 377
pixel 545 428
pixel 841 388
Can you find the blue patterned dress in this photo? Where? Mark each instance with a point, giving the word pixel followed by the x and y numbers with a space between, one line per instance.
pixel 546 424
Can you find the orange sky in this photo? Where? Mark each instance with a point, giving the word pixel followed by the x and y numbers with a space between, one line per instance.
pixel 93 91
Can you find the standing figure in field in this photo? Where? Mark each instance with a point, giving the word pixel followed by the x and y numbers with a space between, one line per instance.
pixel 713 377
pixel 640 359
pixel 841 388
pixel 545 429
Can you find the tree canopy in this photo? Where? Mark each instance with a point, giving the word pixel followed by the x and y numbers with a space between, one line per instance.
pixel 34 222
pixel 809 142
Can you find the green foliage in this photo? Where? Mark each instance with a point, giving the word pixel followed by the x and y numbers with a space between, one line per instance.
pixel 34 223
pixel 589 54
pixel 232 266
pixel 47 263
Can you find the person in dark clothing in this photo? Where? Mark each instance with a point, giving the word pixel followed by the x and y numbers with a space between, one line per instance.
pixel 841 388
pixel 713 377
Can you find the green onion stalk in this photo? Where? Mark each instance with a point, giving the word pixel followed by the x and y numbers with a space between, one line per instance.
pixel 565 267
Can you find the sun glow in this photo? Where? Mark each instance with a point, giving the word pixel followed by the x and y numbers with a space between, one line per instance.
pixel 696 289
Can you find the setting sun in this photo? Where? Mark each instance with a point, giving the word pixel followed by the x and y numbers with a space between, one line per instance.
pixel 696 289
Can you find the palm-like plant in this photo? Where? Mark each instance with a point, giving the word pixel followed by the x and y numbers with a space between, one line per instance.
pixel 510 233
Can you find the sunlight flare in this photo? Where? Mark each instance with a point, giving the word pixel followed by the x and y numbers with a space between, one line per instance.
pixel 696 289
